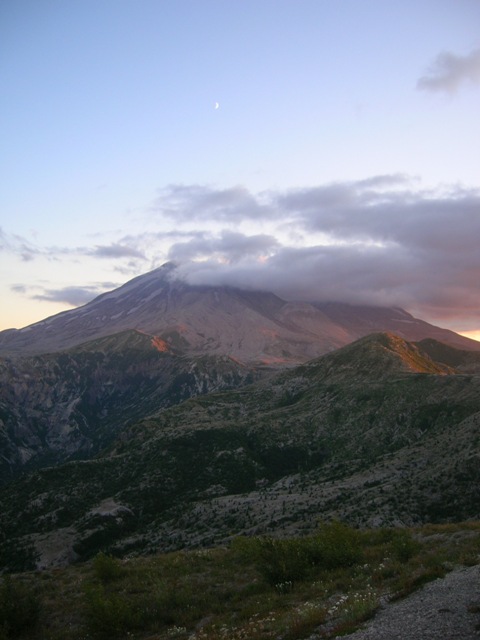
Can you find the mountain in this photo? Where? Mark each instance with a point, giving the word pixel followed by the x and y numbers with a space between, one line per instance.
pixel 378 432
pixel 254 327
pixel 163 415
pixel 361 320
pixel 59 406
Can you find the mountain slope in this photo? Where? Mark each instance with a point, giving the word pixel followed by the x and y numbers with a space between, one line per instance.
pixel 254 327
pixel 375 433
pixel 462 360
pixel 361 320
pixel 56 407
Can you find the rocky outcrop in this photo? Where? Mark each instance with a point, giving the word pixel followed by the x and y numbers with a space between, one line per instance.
pixel 67 405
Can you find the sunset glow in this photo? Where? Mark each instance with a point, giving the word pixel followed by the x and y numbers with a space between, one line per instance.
pixel 473 335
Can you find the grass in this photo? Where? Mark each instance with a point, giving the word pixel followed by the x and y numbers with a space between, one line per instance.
pixel 250 590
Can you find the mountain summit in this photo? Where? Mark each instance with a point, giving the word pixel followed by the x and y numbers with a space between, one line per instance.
pixel 252 326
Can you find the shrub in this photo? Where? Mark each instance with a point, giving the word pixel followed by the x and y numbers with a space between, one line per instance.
pixel 403 546
pixel 281 561
pixel 141 602
pixel 19 608
pixel 107 568
pixel 287 560
pixel 109 615
pixel 335 545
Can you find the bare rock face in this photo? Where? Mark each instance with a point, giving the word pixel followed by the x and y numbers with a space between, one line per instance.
pixel 70 404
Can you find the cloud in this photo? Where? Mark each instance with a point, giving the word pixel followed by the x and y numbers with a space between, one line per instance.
pixel 376 241
pixel 380 240
pixel 127 247
pixel 71 295
pixel 229 246
pixel 449 71
pixel 349 213
pixel 28 253
pixel 115 250
pixel 354 274
pixel 393 276
pixel 199 202
pixel 4 244
pixel 18 245
pixel 74 296
pixel 19 288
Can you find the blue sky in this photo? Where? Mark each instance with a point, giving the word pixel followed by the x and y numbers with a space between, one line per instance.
pixel 342 161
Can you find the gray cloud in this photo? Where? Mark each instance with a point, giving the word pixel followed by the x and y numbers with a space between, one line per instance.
pixel 196 202
pixel 385 180
pixel 346 212
pixel 381 240
pixel 18 245
pixel 393 276
pixel 449 71
pixel 3 240
pixel 74 296
pixel 229 246
pixel 355 274
pixel 19 288
pixel 385 243
pixel 116 250
pixel 27 251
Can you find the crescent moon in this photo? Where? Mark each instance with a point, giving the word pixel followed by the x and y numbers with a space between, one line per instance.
pixel 217 106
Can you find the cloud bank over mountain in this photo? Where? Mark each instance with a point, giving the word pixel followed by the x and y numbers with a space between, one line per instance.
pixel 382 240
pixel 376 241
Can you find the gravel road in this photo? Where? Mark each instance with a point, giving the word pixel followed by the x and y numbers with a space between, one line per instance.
pixel 446 609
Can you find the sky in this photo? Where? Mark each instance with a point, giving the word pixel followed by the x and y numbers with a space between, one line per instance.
pixel 320 149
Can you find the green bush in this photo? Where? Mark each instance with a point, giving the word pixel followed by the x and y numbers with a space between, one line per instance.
pixel 19 608
pixel 403 546
pixel 140 603
pixel 284 561
pixel 335 545
pixel 109 615
pixel 177 603
pixel 107 568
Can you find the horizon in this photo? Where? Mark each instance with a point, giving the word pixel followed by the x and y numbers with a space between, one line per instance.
pixel 305 148
pixel 472 335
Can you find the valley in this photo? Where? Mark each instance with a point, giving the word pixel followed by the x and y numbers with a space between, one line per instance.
pixel 375 434
pixel 136 443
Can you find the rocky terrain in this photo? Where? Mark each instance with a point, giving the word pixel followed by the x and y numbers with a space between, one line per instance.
pixel 71 404
pixel 380 432
pixel 445 608
pixel 162 415
pixel 71 383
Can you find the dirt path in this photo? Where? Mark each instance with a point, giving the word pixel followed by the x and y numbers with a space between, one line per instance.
pixel 446 609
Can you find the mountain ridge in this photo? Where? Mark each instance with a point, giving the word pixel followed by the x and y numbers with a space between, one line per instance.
pixel 255 327
pixel 163 415
pixel 320 440
pixel 59 406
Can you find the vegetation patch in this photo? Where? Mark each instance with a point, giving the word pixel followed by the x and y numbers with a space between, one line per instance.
pixel 259 588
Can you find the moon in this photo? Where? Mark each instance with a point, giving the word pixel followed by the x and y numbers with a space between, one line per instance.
pixel 217 105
